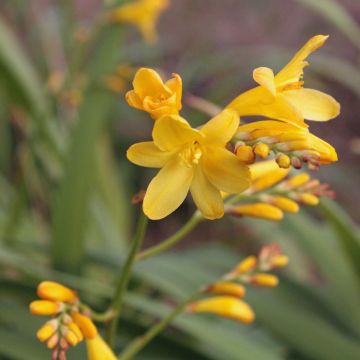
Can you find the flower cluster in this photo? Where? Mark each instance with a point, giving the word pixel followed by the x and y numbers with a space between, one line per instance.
pixel 228 293
pixel 68 325
pixel 215 158
pixel 274 192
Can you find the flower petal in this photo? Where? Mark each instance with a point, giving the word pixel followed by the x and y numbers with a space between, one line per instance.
pixel 221 129
pixel 148 154
pixel 148 82
pixel 312 104
pixel 225 171
pixel 168 189
pixel 265 77
pixel 172 131
pixel 207 198
pixel 133 100
pixel 175 85
pixel 294 69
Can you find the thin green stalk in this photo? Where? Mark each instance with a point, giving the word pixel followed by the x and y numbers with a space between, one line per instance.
pixel 173 239
pixel 139 343
pixel 124 278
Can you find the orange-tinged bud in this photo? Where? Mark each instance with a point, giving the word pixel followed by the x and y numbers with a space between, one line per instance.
pixel 284 204
pixel 262 150
pixel 245 153
pixel 225 306
pixel 279 261
pixel 44 307
pixel 85 324
pixel 46 331
pixel 227 288
pixel 54 291
pixel 76 330
pixel 264 280
pixel 71 338
pixel 247 265
pixel 258 210
pixel 308 199
pixel 53 341
pixel 283 161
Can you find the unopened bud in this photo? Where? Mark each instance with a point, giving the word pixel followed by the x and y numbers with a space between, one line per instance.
pixel 46 331
pixel 245 266
pixel 262 150
pixel 246 154
pixel 283 161
pixel 50 290
pixel 45 307
pixel 279 261
pixel 85 324
pixel 263 279
pixel 226 288
pixel 308 199
pixel 284 204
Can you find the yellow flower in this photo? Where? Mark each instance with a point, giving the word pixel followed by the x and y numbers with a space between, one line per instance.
pixel 225 306
pixel 144 14
pixel 98 349
pixel 191 159
pixel 283 97
pixel 150 94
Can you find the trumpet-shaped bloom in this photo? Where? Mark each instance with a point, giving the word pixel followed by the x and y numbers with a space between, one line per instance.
pixel 282 96
pixel 152 95
pixel 144 14
pixel 98 349
pixel 191 159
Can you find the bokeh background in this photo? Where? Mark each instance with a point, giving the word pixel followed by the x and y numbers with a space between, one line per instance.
pixel 66 186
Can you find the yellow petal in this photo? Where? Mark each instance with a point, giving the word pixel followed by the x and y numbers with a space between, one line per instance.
pixel 221 129
pixel 171 131
pixel 175 85
pixel 265 77
pixel 206 197
pixel 264 168
pixel 225 171
pixel 98 349
pixel 133 100
pixel 85 324
pixel 148 154
pixel 327 152
pixel 168 189
pixel 148 82
pixel 294 69
pixel 312 104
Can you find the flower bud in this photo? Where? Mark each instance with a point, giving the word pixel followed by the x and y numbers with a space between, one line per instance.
pixel 44 307
pixel 258 210
pixel 76 330
pixel 71 338
pixel 227 288
pixel 297 180
pixel 245 266
pixel 54 291
pixel 262 150
pixel 308 199
pixel 85 324
pixel 53 341
pixel 284 204
pixel 245 153
pixel 263 279
pixel 283 161
pixel 46 331
pixel 279 261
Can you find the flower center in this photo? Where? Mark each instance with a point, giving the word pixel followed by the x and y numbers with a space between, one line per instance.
pixel 191 154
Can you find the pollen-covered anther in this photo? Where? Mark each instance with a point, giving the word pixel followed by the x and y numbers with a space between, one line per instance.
pixel 246 154
pixel 191 155
pixel 283 161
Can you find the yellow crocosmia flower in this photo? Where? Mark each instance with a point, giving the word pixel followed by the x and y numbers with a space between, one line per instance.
pixel 191 159
pixel 97 349
pixel 50 290
pixel 45 307
pixel 283 96
pixel 225 306
pixel 144 14
pixel 152 95
pixel 227 288
pixel 258 210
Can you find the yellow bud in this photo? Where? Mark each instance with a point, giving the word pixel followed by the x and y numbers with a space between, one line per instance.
pixel 298 180
pixel 227 288
pixel 71 338
pixel 262 150
pixel 279 261
pixel 98 349
pixel 258 210
pixel 264 280
pixel 245 153
pixel 53 341
pixel 76 330
pixel 308 199
pixel 44 307
pixel 283 161
pixel 85 324
pixel 54 291
pixel 284 204
pixel 45 332
pixel 248 264
pixel 225 306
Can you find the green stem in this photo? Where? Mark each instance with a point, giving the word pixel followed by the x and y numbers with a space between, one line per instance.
pixel 124 278
pixel 172 240
pixel 139 343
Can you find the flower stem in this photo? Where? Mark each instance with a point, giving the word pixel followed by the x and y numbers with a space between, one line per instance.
pixel 124 278
pixel 172 240
pixel 139 343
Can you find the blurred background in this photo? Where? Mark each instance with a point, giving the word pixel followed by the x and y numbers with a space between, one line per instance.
pixel 66 186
